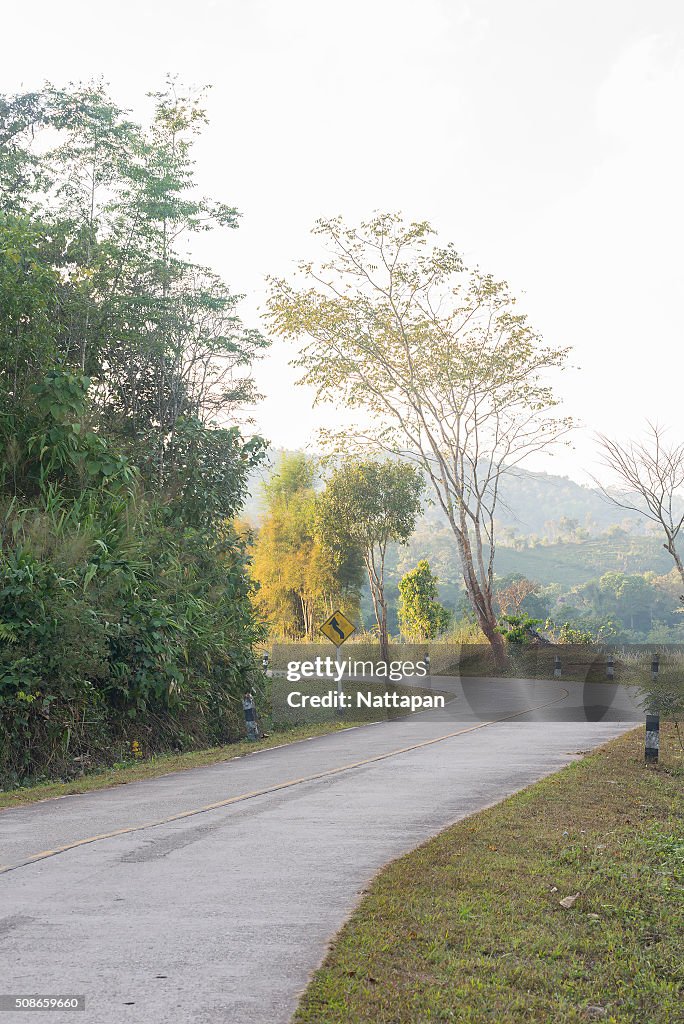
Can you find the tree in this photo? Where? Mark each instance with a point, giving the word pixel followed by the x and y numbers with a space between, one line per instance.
pixel 510 597
pixel 447 373
pixel 653 472
pixel 112 203
pixel 630 597
pixel 421 615
pixel 367 505
pixel 125 594
pixel 301 576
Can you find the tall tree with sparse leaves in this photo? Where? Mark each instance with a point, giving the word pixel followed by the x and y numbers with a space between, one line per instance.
pixel 442 367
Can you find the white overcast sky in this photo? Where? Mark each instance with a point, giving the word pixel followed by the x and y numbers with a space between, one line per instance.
pixel 544 138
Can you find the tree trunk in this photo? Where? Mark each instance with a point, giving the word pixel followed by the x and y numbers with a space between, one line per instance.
pixel 497 644
pixel 376 582
pixel 384 638
pixel 481 601
pixel 670 546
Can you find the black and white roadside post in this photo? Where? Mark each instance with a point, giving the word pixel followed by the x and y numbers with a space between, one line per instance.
pixel 652 745
pixel 249 708
pixel 557 669
pixel 652 738
pixel 264 663
pixel 427 668
pixel 610 667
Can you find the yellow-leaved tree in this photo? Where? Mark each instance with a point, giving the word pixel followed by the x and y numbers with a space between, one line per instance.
pixel 301 577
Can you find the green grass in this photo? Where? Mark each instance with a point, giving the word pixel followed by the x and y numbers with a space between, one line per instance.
pixel 162 764
pixel 469 927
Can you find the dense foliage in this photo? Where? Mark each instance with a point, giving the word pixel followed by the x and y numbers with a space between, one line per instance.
pixel 125 606
pixel 302 576
pixel 421 616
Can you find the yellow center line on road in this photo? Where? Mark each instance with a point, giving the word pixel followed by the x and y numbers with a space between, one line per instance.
pixel 45 854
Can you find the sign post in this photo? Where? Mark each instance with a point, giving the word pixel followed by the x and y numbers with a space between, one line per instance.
pixel 337 629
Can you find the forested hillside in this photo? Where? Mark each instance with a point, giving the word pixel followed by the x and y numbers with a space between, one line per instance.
pixel 561 536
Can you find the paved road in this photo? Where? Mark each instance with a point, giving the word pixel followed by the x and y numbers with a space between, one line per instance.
pixel 216 896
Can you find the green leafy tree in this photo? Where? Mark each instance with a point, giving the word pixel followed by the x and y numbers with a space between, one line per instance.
pixel 115 202
pixel 421 615
pixel 521 629
pixel 444 368
pixel 125 594
pixel 365 506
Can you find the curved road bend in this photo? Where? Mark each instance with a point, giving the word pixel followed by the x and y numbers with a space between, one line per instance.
pixel 210 895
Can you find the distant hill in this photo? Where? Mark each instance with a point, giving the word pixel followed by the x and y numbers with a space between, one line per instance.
pixel 564 563
pixel 530 504
pixel 535 503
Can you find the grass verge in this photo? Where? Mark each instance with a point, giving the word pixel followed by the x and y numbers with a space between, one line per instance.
pixel 162 764
pixel 470 927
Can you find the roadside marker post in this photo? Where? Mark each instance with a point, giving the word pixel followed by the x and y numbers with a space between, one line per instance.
pixel 610 667
pixel 652 745
pixel 264 663
pixel 427 666
pixel 249 708
pixel 557 669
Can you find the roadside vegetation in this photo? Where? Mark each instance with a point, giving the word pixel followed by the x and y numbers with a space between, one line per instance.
pixel 125 597
pixel 562 905
pixel 136 767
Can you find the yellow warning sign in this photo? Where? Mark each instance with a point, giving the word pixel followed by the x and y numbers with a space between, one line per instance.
pixel 338 628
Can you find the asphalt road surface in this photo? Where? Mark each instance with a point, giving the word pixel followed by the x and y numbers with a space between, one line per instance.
pixel 211 894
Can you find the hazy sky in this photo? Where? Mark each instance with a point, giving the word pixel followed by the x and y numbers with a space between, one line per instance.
pixel 543 137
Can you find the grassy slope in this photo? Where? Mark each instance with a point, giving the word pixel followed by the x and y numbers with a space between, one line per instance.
pixel 469 926
pixel 572 564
